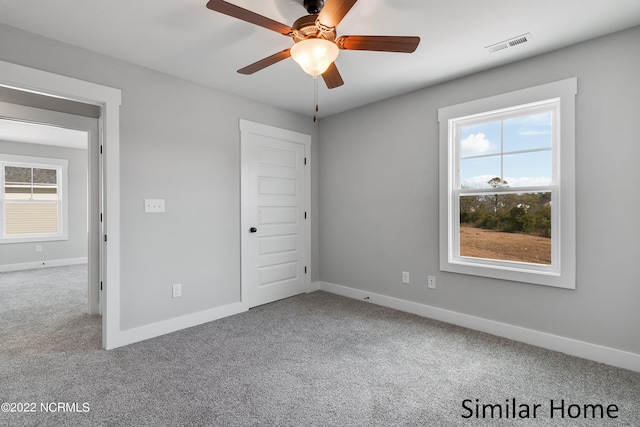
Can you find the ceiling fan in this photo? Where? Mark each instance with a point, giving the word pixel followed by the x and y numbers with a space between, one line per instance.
pixel 315 44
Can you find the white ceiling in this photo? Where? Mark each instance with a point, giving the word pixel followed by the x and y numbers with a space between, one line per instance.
pixel 185 39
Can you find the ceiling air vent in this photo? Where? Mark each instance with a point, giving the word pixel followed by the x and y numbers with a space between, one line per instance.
pixel 515 41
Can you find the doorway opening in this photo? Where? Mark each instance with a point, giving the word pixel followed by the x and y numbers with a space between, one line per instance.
pixel 49 215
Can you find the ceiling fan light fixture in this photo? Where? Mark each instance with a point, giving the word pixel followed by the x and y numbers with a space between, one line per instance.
pixel 314 55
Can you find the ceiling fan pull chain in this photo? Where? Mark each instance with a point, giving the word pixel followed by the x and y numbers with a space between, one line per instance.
pixel 315 97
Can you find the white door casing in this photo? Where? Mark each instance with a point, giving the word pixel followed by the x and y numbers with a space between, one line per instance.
pixel 275 220
pixel 49 84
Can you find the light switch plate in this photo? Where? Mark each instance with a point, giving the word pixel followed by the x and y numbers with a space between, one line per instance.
pixel 153 205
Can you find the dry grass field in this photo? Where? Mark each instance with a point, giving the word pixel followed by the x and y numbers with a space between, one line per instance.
pixel 479 243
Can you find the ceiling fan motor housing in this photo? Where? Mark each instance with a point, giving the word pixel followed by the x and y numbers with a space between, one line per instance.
pixel 306 28
pixel 313 6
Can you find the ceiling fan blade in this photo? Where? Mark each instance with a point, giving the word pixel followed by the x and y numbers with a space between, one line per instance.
pixel 248 16
pixel 379 43
pixel 334 11
pixel 332 76
pixel 264 63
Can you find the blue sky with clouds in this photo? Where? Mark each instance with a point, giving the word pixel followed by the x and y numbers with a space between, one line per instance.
pixel 516 149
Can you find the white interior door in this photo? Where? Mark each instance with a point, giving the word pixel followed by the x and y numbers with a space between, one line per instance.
pixel 274 223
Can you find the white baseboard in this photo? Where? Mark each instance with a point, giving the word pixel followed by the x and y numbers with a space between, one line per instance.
pixel 153 330
pixel 42 264
pixel 315 286
pixel 585 350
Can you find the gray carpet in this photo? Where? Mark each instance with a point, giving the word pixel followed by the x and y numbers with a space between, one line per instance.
pixel 46 310
pixel 312 360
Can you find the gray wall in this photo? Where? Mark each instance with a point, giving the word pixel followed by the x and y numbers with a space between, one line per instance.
pixel 178 141
pixel 76 246
pixel 379 198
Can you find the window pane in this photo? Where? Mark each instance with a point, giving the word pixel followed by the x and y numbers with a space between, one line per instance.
pixel 17 191
pixel 45 192
pixel 528 132
pixel 13 174
pixel 31 218
pixel 528 169
pixel 44 176
pixel 507 227
pixel 476 173
pixel 478 140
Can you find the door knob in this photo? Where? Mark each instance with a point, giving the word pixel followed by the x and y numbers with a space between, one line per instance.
pixel 253 230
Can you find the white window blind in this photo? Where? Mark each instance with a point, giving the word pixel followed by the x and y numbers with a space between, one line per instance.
pixel 33 204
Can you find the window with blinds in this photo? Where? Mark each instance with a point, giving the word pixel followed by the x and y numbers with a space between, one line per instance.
pixel 32 199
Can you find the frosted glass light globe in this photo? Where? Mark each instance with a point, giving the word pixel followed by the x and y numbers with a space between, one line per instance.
pixel 314 55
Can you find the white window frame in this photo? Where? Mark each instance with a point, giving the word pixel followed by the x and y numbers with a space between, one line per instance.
pixel 61 165
pixel 560 273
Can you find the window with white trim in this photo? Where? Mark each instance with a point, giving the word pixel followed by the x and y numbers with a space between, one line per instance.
pixel 507 186
pixel 33 201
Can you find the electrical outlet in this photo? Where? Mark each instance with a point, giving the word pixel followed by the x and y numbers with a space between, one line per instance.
pixel 177 290
pixel 431 283
pixel 405 277
pixel 38 248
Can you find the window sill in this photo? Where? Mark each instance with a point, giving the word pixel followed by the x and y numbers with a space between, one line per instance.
pixel 32 239
pixel 516 273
